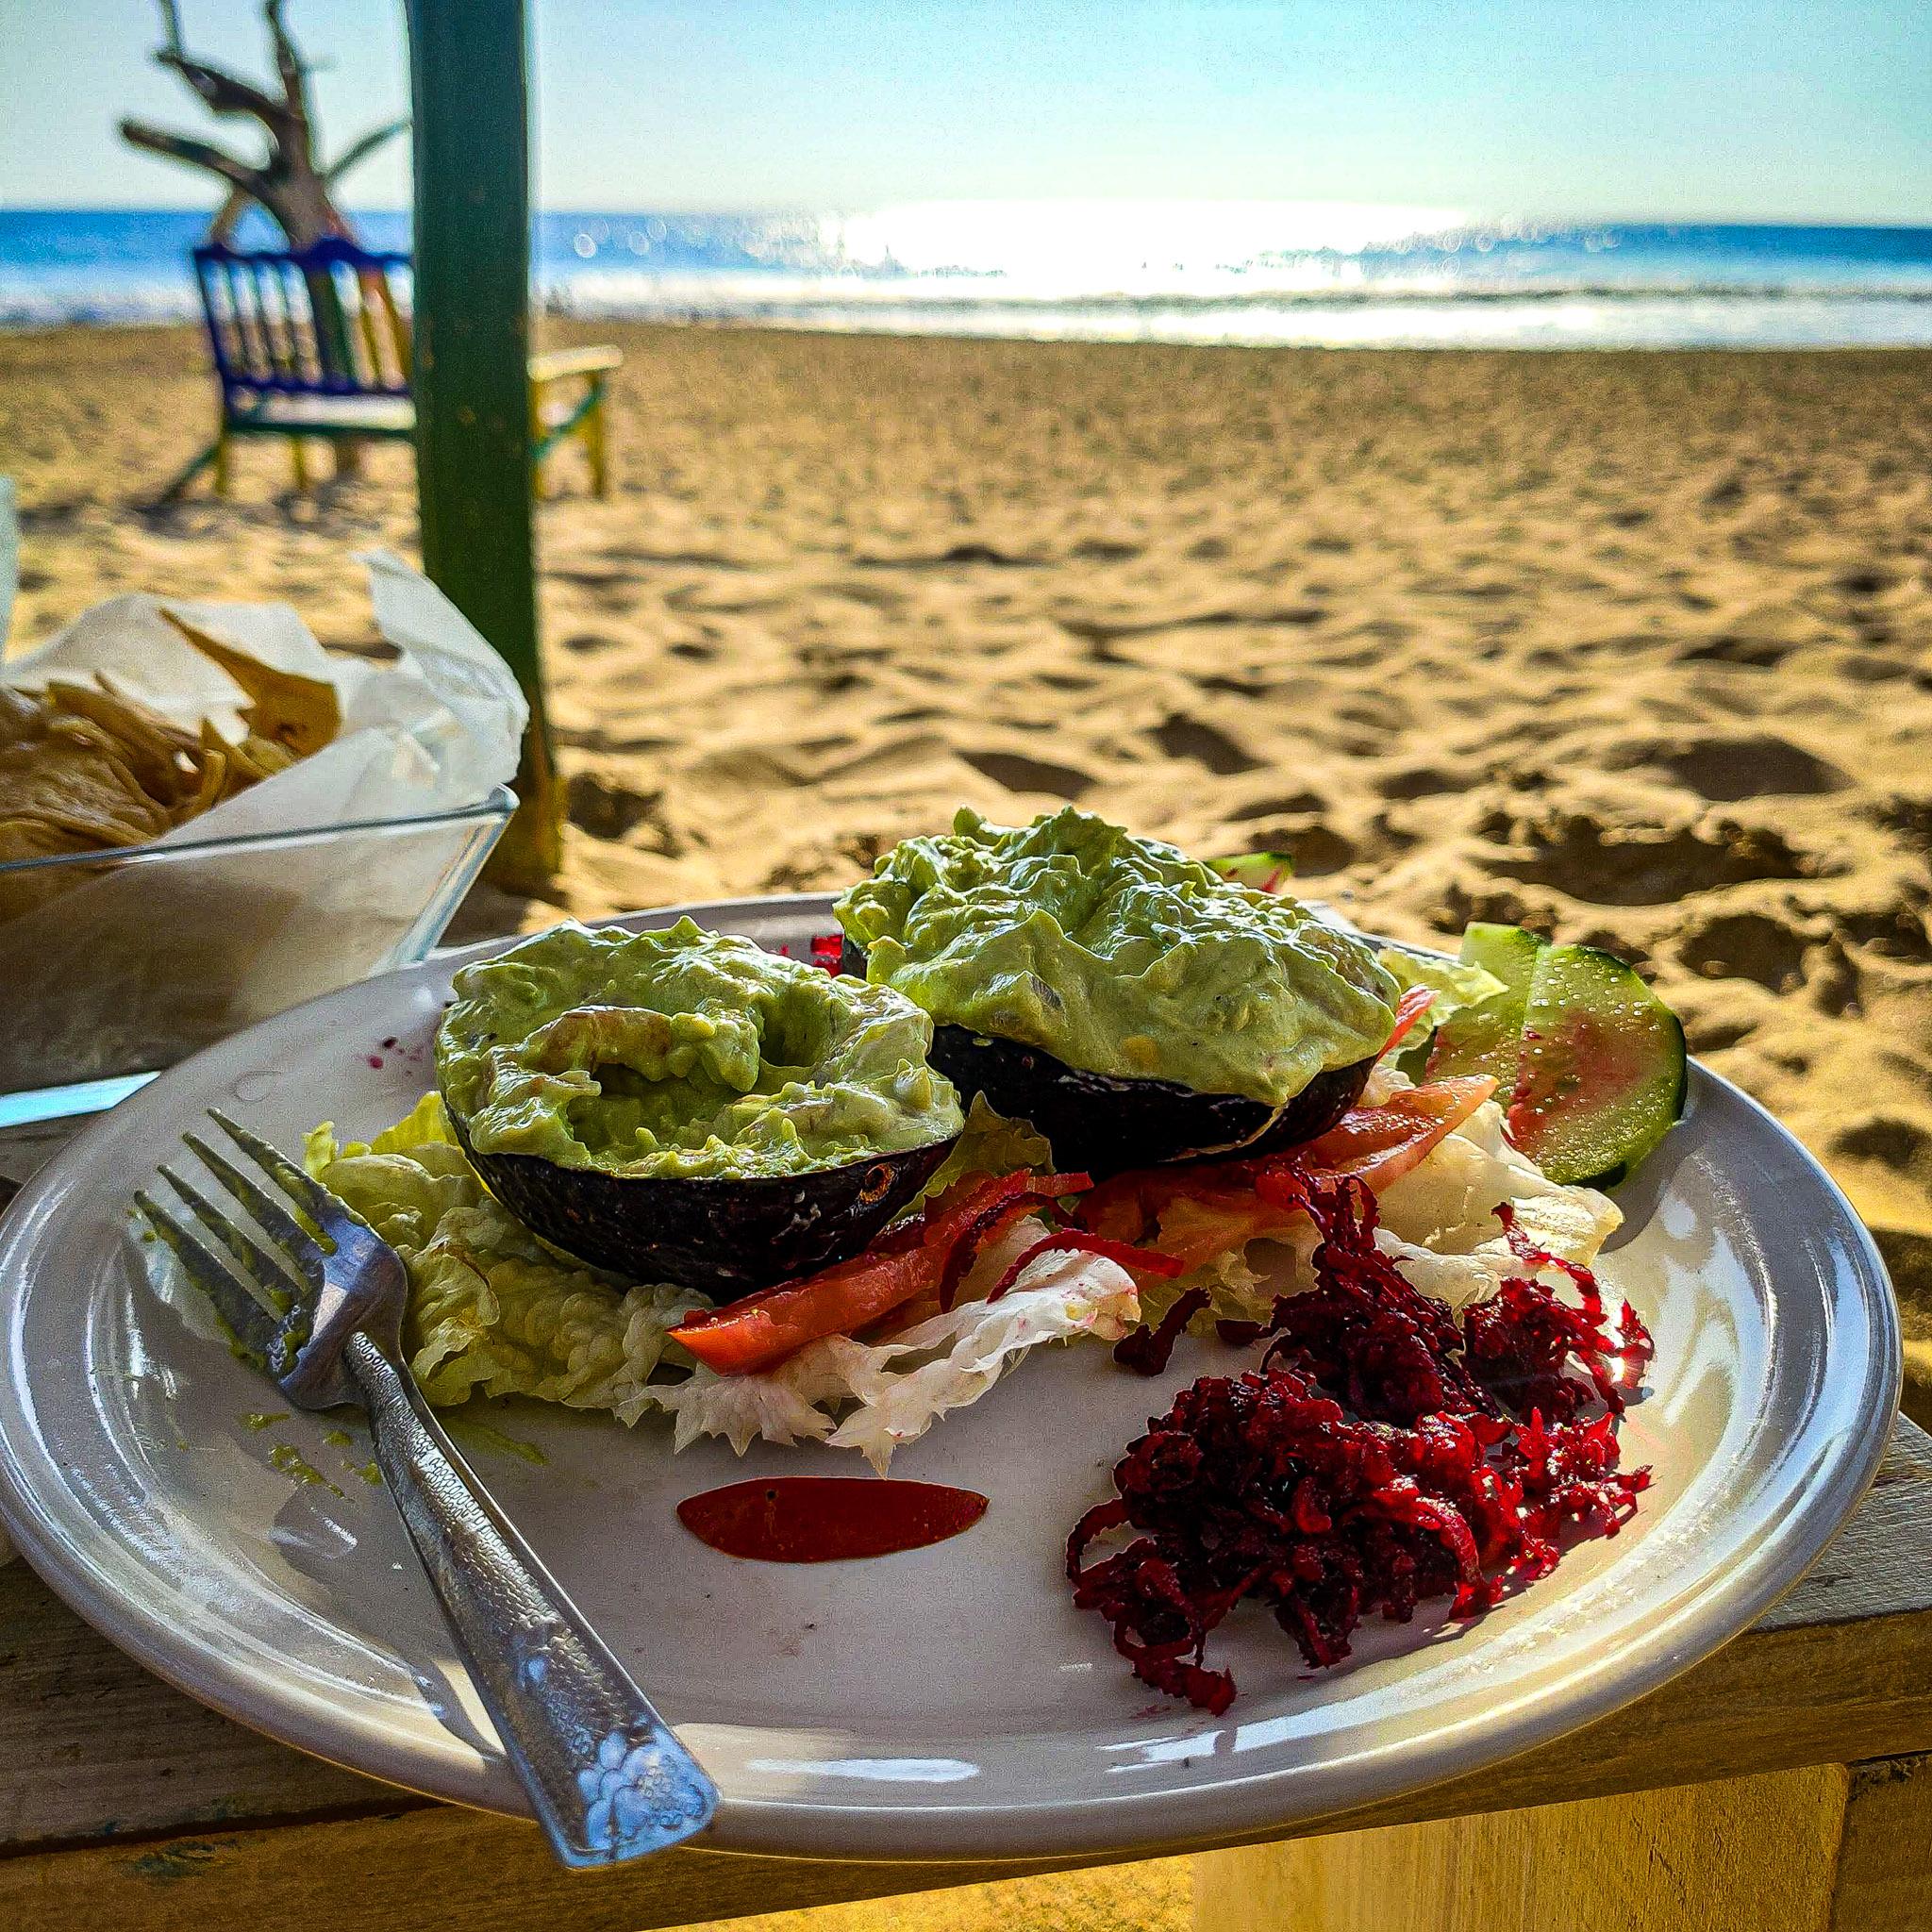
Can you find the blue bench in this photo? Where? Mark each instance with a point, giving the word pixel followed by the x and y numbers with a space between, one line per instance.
pixel 315 343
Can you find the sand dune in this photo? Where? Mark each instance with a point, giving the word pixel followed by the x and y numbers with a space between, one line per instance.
pixel 1635 648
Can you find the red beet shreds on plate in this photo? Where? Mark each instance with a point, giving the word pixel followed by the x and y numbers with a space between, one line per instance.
pixel 1380 1458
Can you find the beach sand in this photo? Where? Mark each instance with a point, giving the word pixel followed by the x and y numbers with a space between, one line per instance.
pixel 1635 648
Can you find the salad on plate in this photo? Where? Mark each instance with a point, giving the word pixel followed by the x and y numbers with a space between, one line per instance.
pixel 1056 1084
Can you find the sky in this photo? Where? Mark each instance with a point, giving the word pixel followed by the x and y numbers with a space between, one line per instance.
pixel 1724 110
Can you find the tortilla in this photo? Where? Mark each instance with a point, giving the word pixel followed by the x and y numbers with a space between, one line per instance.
pixel 86 766
pixel 300 713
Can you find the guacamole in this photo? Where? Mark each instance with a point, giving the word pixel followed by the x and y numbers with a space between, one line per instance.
pixel 1119 955
pixel 685 1053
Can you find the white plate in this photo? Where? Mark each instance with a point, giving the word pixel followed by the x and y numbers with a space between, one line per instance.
pixel 945 1702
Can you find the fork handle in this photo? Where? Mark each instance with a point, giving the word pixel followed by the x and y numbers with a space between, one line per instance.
pixel 606 1774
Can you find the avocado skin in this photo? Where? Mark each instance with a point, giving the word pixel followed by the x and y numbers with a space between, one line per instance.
pixel 1101 1124
pixel 726 1238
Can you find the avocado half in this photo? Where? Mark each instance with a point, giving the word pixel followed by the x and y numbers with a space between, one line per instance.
pixel 1101 1124
pixel 552 1022
pixel 724 1238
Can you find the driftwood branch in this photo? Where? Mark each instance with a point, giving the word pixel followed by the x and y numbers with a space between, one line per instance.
pixel 244 177
pixel 227 218
pixel 290 183
pixel 226 94
pixel 294 72
pixel 290 64
pixel 362 148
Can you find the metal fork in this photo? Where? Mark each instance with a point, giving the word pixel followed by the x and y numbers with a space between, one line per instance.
pixel 315 1299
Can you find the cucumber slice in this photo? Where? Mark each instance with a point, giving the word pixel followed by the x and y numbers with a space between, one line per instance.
pixel 1507 951
pixel 1601 1071
pixel 1260 872
pixel 1486 1038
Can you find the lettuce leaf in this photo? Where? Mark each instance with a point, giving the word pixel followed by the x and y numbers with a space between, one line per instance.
pixel 493 1310
pixel 990 1143
pixel 1438 1221
pixel 1455 983
pixel 904 1386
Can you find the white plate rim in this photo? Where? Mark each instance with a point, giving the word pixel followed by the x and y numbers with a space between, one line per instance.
pixel 1234 1806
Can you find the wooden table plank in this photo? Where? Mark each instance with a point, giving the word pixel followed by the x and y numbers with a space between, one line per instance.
pixel 429 1870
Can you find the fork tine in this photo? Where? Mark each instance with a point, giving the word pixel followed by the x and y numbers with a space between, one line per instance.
pixel 313 1198
pixel 250 1330
pixel 267 1276
pixel 272 1215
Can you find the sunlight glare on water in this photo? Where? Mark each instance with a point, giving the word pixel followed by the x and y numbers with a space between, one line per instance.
pixel 1057 250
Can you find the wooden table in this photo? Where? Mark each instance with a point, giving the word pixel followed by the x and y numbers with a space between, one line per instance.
pixel 1781 1786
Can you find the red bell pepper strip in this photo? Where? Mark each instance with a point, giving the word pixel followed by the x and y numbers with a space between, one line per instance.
pixel 1081 1240
pixel 1381 1143
pixel 1409 1009
pixel 908 1260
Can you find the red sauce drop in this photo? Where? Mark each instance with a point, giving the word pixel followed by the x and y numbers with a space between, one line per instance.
pixel 819 1519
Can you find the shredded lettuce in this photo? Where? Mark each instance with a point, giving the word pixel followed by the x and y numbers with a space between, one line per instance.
pixel 906 1385
pixel 890 1390
pixel 494 1310
pixel 1438 1221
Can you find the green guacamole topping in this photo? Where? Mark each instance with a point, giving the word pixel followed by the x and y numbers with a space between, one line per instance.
pixel 1119 955
pixel 688 1054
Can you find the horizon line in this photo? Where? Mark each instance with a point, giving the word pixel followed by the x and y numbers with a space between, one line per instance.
pixel 1469 219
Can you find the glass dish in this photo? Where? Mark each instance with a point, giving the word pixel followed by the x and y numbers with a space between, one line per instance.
pixel 116 964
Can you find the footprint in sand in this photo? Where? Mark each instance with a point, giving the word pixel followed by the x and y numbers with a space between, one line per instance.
pixel 960 553
pixel 1645 866
pixel 1900 1142
pixel 1865 583
pixel 1319 850
pixel 1747 945
pixel 1183 737
pixel 603 804
pixel 1421 781
pixel 1897 933
pixel 1726 769
pixel 1021 774
pixel 1295 802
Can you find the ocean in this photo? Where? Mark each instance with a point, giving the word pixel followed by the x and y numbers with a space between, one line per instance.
pixel 1185 271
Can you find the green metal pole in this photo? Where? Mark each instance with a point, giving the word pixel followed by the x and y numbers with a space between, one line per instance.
pixel 474 467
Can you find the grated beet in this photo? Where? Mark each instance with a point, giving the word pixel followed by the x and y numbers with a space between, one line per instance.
pixel 1146 1349
pixel 1379 1345
pixel 1517 1342
pixel 1379 1459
